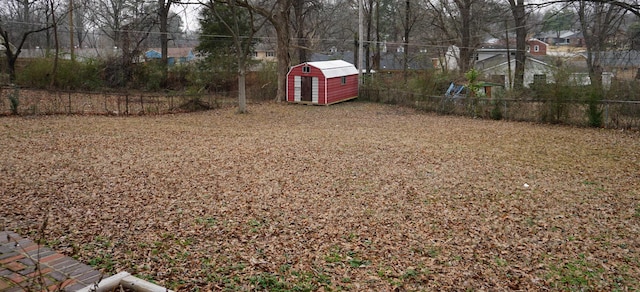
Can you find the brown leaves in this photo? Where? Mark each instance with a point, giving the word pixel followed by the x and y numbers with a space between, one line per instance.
pixel 354 195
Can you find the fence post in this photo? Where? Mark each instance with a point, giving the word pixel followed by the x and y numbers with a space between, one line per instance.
pixel 106 107
pixel 141 104
pixel 126 103
pixel 69 107
pixel 606 114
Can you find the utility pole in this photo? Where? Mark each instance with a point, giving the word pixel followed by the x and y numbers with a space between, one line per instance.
pixel 360 41
pixel 71 24
pixel 506 34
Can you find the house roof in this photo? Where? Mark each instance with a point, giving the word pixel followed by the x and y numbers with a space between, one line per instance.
pixel 529 59
pixel 630 58
pixel 335 68
pixel 562 34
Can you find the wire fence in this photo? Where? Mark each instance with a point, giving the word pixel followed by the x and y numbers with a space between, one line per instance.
pixel 617 114
pixel 19 101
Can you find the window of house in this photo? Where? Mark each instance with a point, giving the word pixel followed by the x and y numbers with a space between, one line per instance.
pixel 271 54
pixel 344 80
pixel 400 50
pixel 540 79
pixel 536 48
pixel 306 69
pixel 254 54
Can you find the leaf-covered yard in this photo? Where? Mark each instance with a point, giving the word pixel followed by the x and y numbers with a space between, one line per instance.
pixel 353 196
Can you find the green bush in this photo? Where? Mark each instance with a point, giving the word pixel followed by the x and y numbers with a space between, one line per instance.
pixel 147 76
pixel 36 74
pixel 594 113
pixel 208 78
pixel 496 110
pixel 178 77
pixel 556 97
pixel 70 75
pixel 14 101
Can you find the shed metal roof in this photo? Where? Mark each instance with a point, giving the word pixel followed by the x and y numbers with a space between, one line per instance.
pixel 335 68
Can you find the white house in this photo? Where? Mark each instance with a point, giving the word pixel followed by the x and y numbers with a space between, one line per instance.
pixel 534 71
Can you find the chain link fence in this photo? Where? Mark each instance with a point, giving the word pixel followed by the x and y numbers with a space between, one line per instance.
pixel 20 101
pixel 617 114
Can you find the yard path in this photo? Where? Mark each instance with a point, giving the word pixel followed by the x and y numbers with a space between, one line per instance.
pixel 27 266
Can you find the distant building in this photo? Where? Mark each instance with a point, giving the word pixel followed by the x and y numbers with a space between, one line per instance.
pixel 537 47
pixel 264 52
pixel 562 38
pixel 174 55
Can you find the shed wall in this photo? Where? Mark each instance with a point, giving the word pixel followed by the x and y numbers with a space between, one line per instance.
pixel 338 91
pixel 328 90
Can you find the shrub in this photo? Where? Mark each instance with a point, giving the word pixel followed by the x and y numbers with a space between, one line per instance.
pixel 496 111
pixel 70 75
pixel 148 76
pixel 265 85
pixel 208 78
pixel 594 113
pixel 35 74
pixel 14 101
pixel 178 77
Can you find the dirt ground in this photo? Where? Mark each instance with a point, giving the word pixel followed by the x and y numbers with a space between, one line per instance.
pixel 353 196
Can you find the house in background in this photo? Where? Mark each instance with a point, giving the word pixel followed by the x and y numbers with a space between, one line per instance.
pixel 537 47
pixel 623 65
pixel 498 68
pixel 174 55
pixel 562 38
pixel 264 52
pixel 496 62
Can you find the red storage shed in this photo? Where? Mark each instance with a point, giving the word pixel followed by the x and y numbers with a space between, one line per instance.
pixel 324 83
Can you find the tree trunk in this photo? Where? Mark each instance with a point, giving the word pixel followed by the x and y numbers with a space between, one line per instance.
pixel 377 54
pixel 54 71
pixel 298 8
pixel 597 29
pixel 464 6
pixel 367 45
pixel 242 90
pixel 279 17
pixel 282 53
pixel 163 17
pixel 407 28
pixel 519 16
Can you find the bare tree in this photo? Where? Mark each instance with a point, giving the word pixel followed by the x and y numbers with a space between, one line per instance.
pixel 458 25
pixel 520 20
pixel 235 23
pixel 599 22
pixel 54 71
pixel 16 24
pixel 278 13
pixel 164 8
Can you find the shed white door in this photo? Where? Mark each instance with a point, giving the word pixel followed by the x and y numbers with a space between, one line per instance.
pixel 301 88
pixel 297 88
pixel 314 90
